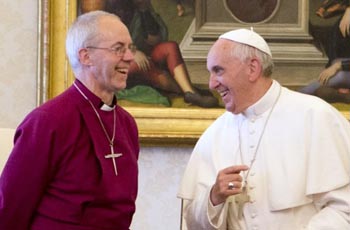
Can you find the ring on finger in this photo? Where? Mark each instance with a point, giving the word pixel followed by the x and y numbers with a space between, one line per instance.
pixel 231 186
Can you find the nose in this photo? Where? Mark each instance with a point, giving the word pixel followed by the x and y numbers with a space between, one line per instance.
pixel 128 55
pixel 213 83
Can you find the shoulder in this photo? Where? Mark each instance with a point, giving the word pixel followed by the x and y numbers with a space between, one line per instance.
pixel 219 127
pixel 307 106
pixel 62 104
pixel 303 101
pixel 124 114
pixel 62 107
pixel 125 117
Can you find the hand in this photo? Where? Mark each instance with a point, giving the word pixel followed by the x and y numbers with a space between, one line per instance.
pixel 345 23
pixel 220 190
pixel 142 61
pixel 328 73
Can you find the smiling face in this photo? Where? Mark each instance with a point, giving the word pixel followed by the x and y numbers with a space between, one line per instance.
pixel 229 76
pixel 106 69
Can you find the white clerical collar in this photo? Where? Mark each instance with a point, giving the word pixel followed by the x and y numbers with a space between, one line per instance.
pixel 264 103
pixel 105 107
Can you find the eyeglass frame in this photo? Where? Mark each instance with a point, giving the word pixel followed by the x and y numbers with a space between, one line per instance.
pixel 118 50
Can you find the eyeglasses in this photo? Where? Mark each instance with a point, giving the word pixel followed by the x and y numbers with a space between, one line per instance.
pixel 119 51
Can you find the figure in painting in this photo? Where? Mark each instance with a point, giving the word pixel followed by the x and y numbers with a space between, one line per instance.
pixel 333 82
pixel 180 8
pixel 158 62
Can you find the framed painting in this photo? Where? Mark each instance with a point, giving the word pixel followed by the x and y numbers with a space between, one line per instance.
pixel 288 35
pixel 157 125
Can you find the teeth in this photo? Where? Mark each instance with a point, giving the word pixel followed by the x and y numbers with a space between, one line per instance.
pixel 222 94
pixel 121 70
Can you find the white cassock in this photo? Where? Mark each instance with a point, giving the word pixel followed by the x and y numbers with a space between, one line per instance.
pixel 300 179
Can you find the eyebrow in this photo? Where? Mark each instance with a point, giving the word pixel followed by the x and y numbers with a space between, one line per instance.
pixel 216 68
pixel 118 43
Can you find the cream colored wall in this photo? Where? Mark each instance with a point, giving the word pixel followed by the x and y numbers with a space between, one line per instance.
pixel 160 171
pixel 160 168
pixel 18 47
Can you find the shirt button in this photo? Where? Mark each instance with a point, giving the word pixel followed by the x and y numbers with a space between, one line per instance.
pixel 255 227
pixel 253 215
pixel 252 120
pixel 252 173
pixel 251 132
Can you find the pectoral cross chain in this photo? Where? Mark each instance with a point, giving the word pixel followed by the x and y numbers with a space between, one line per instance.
pixel 114 155
pixel 240 200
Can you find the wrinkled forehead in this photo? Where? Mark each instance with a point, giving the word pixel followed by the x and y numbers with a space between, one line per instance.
pixel 110 23
pixel 112 28
pixel 219 52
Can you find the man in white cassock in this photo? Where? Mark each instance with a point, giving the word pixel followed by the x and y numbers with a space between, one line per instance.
pixel 275 160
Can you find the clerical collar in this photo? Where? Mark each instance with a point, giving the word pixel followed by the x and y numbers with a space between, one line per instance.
pixel 264 103
pixel 105 107
pixel 97 102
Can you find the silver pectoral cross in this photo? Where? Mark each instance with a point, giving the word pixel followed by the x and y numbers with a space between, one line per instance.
pixel 114 155
pixel 240 200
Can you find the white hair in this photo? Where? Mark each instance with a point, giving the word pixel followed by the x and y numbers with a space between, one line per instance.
pixel 84 31
pixel 244 52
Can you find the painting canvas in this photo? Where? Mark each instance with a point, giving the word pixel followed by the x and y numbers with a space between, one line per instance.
pixel 182 123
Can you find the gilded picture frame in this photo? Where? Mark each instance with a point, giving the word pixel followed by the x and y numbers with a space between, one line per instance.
pixel 157 126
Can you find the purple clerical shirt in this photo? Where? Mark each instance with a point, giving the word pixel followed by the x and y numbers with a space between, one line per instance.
pixel 57 176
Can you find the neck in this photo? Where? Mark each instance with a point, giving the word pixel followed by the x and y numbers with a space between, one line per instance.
pixel 106 96
pixel 260 89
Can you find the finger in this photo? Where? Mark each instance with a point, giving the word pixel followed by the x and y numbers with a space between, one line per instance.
pixel 321 78
pixel 343 31
pixel 220 192
pixel 147 64
pixel 224 179
pixel 236 169
pixel 142 67
pixel 325 81
pixel 324 76
pixel 234 185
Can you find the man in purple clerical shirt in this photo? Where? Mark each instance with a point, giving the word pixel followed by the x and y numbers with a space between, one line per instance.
pixel 74 161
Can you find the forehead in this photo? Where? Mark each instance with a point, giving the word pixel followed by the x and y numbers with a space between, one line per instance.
pixel 220 53
pixel 112 29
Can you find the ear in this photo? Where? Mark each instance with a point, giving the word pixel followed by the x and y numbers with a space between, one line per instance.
pixel 255 69
pixel 84 57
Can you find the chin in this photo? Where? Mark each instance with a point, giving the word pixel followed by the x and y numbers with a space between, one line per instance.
pixel 120 85
pixel 120 88
pixel 232 109
pixel 229 108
